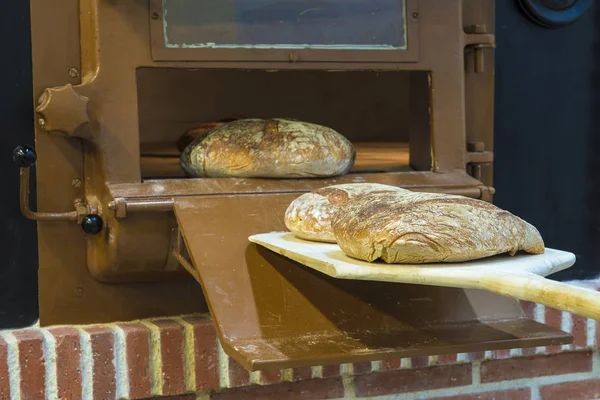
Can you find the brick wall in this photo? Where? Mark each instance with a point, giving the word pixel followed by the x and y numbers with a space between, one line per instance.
pixel 180 359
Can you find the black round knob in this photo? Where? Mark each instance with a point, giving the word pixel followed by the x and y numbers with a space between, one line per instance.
pixel 92 224
pixel 555 13
pixel 24 156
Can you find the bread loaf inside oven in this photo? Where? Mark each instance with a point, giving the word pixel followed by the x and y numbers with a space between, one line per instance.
pixel 268 148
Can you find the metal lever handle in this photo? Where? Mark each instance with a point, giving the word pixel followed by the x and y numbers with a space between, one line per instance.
pixel 25 157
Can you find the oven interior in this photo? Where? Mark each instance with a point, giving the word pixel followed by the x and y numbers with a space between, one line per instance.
pixel 372 109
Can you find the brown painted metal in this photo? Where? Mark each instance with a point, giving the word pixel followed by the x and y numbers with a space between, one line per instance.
pixel 37 216
pixel 62 109
pixel 414 180
pixel 103 49
pixel 271 312
pixel 479 101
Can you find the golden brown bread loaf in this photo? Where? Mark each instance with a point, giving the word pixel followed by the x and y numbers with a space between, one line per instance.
pixel 273 148
pixel 200 131
pixel 309 216
pixel 195 133
pixel 426 227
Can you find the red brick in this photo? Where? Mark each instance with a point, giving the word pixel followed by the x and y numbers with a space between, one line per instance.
pixel 528 309
pixel 387 365
pixel 137 342
pixel 299 374
pixel 554 320
pixel 238 375
pixel 579 390
pixel 31 360
pixel 207 357
pixel 301 390
pixel 516 394
pixel 172 354
pixel 530 367
pixel 501 354
pixel 103 344
pixel 331 371
pixel 579 331
pixel 361 368
pixel 68 361
pixel 410 380
pixel 420 362
pixel 4 378
pixel 553 317
pixel 270 376
pixel 447 359
pixel 529 351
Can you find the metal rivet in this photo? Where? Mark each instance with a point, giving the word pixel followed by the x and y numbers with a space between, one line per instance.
pixel 42 122
pixel 416 15
pixel 78 292
pixel 73 72
pixel 76 183
pixel 155 15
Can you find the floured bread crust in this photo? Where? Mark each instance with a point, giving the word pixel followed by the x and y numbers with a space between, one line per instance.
pixel 426 227
pixel 309 216
pixel 273 148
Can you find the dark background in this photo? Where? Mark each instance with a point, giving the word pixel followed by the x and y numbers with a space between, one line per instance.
pixel 547 131
pixel 547 137
pixel 18 238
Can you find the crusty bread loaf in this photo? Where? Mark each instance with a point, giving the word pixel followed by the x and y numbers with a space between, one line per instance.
pixel 195 133
pixel 273 148
pixel 200 131
pixel 426 227
pixel 309 216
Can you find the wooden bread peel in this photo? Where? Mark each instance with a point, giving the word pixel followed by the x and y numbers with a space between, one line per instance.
pixel 520 276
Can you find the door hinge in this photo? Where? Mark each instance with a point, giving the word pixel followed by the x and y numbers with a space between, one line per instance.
pixel 476 41
pixel 477 157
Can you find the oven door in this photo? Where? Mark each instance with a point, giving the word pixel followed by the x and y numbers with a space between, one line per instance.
pixel 271 312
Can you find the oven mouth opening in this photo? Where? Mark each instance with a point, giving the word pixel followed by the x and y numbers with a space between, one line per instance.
pixel 385 114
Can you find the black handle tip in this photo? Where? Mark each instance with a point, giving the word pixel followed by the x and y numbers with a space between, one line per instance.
pixel 24 156
pixel 92 224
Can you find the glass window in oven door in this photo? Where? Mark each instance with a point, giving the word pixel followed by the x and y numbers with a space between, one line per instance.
pixel 285 24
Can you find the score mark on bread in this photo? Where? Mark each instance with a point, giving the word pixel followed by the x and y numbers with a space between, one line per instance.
pixel 428 228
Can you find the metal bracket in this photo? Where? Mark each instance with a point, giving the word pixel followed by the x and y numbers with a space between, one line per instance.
pixel 179 252
pixel 477 156
pixel 478 40
pixel 121 206
pixel 487 193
